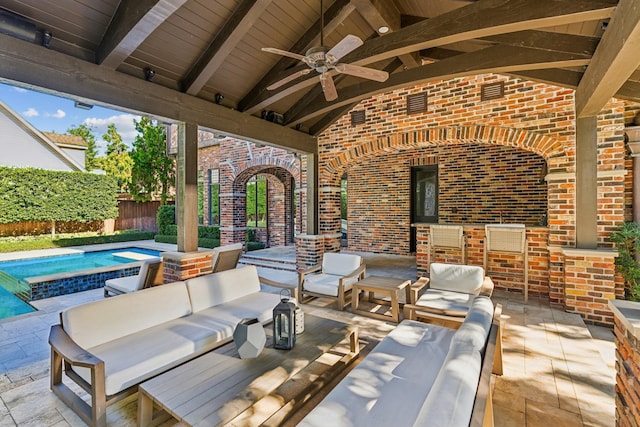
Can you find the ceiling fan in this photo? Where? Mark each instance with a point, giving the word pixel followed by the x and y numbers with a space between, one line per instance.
pixel 324 60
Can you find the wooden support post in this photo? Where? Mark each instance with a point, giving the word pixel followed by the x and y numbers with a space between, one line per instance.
pixel 187 187
pixel 587 183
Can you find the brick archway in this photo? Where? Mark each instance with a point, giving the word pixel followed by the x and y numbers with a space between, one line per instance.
pixel 281 183
pixel 543 145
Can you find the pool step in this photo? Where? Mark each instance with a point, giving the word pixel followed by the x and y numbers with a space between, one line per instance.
pixel 20 289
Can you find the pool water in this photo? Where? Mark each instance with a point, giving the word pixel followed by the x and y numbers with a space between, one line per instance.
pixel 33 267
pixel 15 291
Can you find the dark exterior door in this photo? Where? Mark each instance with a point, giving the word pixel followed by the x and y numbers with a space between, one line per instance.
pixel 424 198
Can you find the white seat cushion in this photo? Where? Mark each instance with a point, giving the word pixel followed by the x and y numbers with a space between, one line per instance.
pixel 390 384
pixel 445 302
pixel 456 277
pixel 123 284
pixel 135 358
pixel 326 284
pixel 476 326
pixel 258 305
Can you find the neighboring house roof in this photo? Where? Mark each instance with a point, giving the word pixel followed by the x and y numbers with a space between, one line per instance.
pixel 25 146
pixel 70 141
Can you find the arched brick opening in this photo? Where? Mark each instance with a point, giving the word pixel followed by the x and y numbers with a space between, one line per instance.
pixel 281 184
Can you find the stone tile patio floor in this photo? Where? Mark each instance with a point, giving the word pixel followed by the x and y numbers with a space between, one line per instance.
pixel 557 371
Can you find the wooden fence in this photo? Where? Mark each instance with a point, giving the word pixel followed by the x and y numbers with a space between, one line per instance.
pixel 132 215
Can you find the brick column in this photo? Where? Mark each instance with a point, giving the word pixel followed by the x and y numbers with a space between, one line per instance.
pixel 589 277
pixel 309 250
pixel 183 266
pixel 627 334
pixel 233 218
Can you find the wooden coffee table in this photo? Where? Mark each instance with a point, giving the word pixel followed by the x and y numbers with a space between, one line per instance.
pixel 219 388
pixel 381 285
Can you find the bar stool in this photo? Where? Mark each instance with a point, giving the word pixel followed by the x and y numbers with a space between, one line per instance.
pixel 508 238
pixel 447 237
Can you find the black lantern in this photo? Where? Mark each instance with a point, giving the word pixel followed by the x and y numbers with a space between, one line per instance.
pixel 284 323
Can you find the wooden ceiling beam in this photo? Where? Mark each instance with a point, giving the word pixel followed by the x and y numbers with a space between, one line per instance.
pixel 496 59
pixel 334 16
pixel 30 65
pixel 480 19
pixel 615 59
pixel 223 44
pixel 379 14
pixel 132 23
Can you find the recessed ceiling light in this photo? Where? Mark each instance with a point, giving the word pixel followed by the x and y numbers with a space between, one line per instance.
pixel 383 29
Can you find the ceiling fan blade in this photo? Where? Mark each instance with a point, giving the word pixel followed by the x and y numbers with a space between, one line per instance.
pixel 288 79
pixel 364 72
pixel 328 87
pixel 344 46
pixel 283 53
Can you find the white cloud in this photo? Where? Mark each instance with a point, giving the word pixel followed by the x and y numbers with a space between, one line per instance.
pixel 124 126
pixel 31 112
pixel 59 114
pixel 19 89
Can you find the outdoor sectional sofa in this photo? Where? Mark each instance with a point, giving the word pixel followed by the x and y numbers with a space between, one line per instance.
pixel 110 346
pixel 421 374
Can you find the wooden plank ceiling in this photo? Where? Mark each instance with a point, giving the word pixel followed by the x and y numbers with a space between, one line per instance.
pixel 200 50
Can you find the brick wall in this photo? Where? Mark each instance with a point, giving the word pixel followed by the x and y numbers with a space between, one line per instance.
pixel 627 364
pixel 512 157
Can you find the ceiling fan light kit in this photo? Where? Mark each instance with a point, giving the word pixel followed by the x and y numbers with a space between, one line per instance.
pixel 323 60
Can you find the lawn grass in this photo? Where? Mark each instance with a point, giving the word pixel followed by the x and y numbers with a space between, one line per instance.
pixel 29 243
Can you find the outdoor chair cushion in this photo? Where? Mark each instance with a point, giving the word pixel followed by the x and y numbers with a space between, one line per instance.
pixel 456 277
pixel 445 302
pixel 327 284
pixel 340 264
pixel 128 284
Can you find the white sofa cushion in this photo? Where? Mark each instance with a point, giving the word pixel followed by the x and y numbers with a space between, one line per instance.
pixel 445 302
pixel 389 384
pixel 456 278
pixel 218 288
pixel 105 320
pixel 326 284
pixel 135 358
pixel 450 400
pixel 475 328
pixel 340 264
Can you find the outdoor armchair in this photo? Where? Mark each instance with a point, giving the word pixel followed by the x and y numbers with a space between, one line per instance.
pixel 331 279
pixel 451 290
pixel 146 277
pixel 226 257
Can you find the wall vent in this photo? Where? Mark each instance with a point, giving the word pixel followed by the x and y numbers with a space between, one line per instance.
pixel 417 103
pixel 492 91
pixel 358 117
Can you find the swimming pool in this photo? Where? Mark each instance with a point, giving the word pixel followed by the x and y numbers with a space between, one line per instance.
pixel 30 279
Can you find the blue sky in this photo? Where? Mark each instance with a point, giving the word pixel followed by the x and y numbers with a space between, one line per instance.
pixel 55 114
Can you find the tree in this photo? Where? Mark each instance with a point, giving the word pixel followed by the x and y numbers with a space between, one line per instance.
pixel 153 172
pixel 117 162
pixel 90 154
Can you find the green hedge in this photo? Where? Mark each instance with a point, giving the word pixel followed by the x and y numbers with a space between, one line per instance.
pixel 202 242
pixel 28 194
pixel 111 238
pixel 165 217
pixel 204 232
pixel 253 246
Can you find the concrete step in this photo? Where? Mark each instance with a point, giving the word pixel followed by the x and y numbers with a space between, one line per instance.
pixel 267 262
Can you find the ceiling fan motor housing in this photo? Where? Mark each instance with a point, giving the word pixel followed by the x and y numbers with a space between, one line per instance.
pixel 317 58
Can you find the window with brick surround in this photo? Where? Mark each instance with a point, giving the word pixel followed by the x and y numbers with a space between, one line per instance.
pixel 492 91
pixel 417 103
pixel 358 117
pixel 214 196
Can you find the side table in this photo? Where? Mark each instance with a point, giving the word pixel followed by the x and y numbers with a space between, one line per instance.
pixel 382 285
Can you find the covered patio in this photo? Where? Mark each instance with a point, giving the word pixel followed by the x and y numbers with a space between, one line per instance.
pixel 525 110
